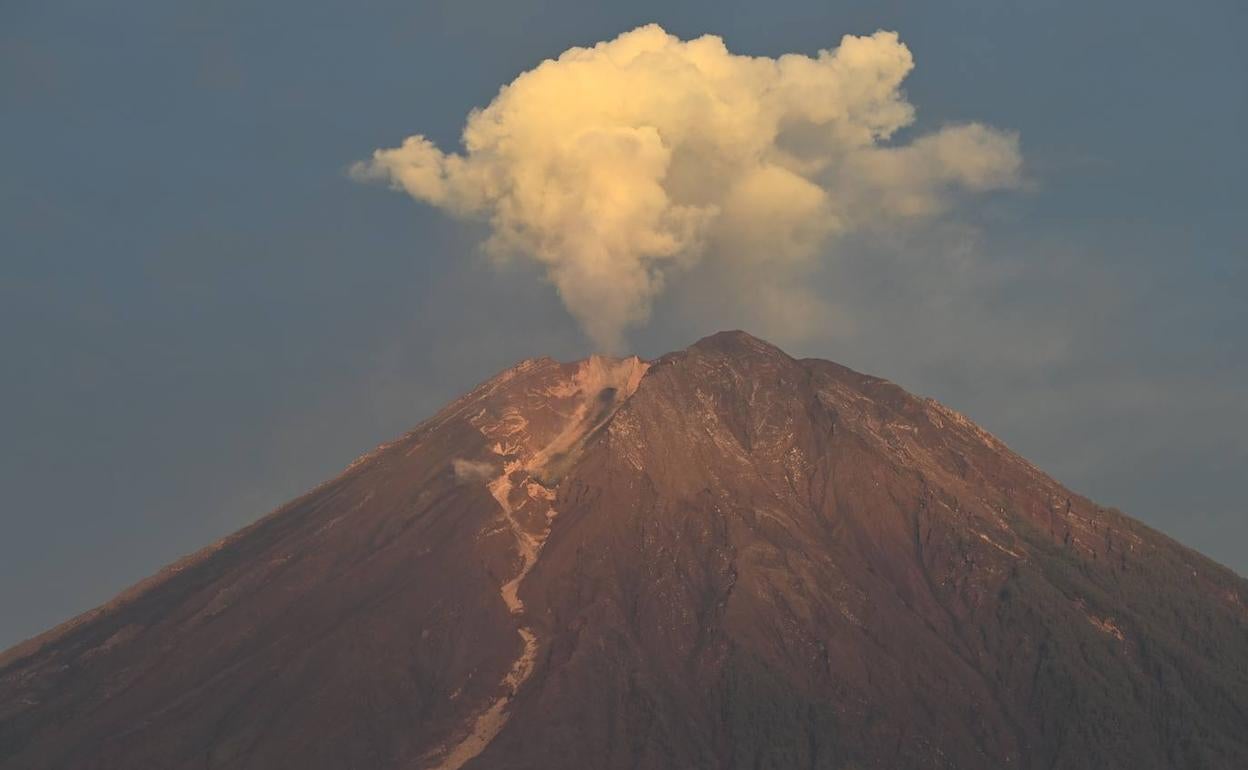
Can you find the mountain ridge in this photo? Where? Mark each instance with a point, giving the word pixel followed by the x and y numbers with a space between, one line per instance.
pixel 726 557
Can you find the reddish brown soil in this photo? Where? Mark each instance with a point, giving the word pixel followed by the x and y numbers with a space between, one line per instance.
pixel 729 559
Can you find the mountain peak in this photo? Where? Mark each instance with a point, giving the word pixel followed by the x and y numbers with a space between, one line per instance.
pixel 730 558
pixel 735 341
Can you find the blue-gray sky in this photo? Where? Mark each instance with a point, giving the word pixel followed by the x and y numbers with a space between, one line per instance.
pixel 201 315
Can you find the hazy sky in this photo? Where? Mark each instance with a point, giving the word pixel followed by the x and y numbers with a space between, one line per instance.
pixel 202 315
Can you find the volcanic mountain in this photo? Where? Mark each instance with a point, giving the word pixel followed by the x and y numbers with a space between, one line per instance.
pixel 724 558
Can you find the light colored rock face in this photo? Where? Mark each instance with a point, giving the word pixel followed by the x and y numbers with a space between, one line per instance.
pixel 722 558
pixel 535 434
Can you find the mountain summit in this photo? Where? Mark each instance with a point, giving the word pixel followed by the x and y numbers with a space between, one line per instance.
pixel 723 558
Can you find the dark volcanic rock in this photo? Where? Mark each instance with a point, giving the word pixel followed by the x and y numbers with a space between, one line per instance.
pixel 727 558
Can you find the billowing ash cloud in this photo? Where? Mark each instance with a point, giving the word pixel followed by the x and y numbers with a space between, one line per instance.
pixel 613 165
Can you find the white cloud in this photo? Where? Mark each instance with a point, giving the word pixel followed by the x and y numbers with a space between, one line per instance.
pixel 613 165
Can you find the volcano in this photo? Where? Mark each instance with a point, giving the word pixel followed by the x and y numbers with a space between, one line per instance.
pixel 722 558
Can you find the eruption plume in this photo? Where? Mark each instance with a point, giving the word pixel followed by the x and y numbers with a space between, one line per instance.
pixel 615 165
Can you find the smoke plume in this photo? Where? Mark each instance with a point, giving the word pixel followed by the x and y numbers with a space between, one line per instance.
pixel 473 470
pixel 615 165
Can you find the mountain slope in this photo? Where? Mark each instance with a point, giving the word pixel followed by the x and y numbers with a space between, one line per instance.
pixel 724 558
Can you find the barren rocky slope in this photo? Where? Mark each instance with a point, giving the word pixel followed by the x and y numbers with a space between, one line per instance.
pixel 725 558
